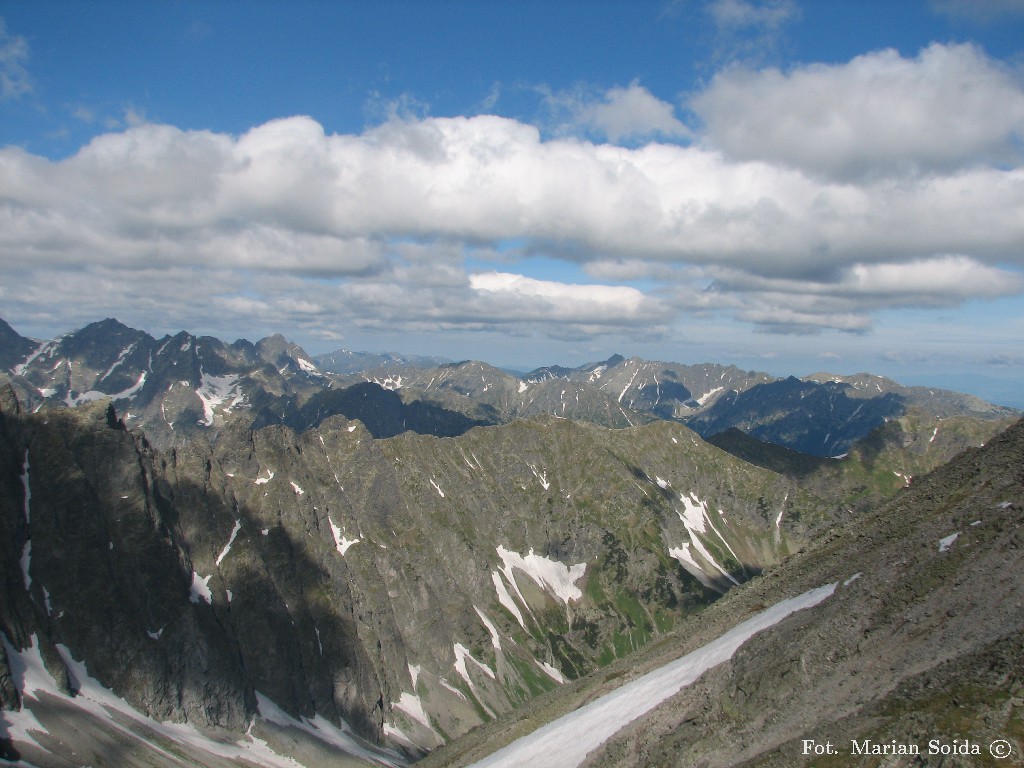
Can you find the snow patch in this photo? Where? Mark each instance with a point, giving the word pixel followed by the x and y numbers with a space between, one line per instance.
pixel 215 390
pixel 437 488
pixel 461 654
pixel 551 672
pixel 200 589
pixel 542 477
pixel 551 575
pixel 413 707
pixel 93 394
pixel 947 542
pixel 26 562
pixel 695 518
pixel 264 480
pixel 703 399
pixel 297 489
pixel 340 541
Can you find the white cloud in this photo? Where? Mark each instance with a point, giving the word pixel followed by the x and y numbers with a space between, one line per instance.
pixel 848 301
pixel 815 222
pixel 631 113
pixel 621 115
pixel 751 31
pixel 742 14
pixel 877 115
pixel 14 77
pixel 528 298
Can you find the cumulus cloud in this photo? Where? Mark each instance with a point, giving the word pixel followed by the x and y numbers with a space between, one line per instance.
pixel 323 231
pixel 878 115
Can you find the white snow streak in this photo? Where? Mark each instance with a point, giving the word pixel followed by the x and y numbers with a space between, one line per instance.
pixel 565 742
pixel 495 640
pixel 26 562
pixel 506 599
pixel 551 672
pixel 947 542
pixel 437 488
pixel 231 540
pixel 622 394
pixel 695 519
pixel 297 489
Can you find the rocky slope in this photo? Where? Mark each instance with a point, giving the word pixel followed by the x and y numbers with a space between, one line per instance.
pixel 917 649
pixel 413 587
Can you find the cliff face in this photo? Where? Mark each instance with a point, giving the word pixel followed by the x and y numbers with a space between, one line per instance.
pixel 414 586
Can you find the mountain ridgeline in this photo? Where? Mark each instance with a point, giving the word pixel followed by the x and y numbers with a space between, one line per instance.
pixel 178 387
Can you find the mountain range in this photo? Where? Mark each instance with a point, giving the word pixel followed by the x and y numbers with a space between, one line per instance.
pixel 216 553
pixel 177 387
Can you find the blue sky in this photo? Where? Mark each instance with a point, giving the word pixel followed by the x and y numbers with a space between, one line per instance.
pixel 787 186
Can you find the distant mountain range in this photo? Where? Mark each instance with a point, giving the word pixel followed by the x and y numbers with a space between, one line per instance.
pixel 175 388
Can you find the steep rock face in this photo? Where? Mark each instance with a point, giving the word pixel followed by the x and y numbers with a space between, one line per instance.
pixel 414 586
